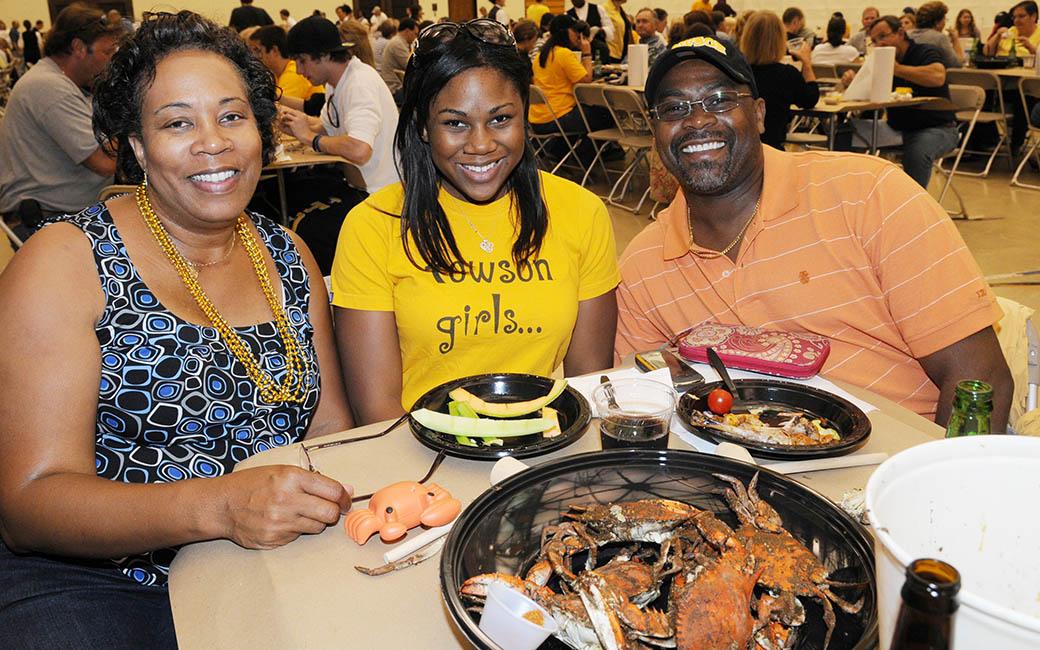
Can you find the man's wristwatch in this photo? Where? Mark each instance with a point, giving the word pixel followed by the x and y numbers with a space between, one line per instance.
pixel 316 141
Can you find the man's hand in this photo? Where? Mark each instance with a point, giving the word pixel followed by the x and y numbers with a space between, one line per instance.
pixel 296 122
pixel 1022 41
pixel 846 79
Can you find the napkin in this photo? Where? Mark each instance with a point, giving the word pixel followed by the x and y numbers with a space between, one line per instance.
pixel 585 384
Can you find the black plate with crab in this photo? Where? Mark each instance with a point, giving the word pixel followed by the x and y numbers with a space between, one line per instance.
pixel 501 530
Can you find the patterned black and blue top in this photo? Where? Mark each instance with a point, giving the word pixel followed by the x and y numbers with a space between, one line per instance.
pixel 174 402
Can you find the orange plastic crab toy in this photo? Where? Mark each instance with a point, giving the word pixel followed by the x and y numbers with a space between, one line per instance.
pixel 396 508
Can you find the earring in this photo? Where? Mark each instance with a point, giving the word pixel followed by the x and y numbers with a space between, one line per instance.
pixel 144 182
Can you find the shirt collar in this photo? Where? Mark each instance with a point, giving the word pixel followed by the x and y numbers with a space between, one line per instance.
pixel 775 202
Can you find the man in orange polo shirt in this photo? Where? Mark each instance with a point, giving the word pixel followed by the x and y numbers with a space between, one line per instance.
pixel 843 245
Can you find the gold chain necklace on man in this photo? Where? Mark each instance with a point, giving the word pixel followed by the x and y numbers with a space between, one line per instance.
pixel 485 243
pixel 297 381
pixel 740 235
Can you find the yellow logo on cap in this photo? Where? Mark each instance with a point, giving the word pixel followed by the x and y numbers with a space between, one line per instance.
pixel 702 41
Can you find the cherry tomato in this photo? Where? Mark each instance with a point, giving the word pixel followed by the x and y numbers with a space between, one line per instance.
pixel 720 401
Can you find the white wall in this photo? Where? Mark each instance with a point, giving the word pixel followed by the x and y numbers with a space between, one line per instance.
pixel 817 12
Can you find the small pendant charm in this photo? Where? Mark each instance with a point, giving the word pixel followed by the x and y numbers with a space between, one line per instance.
pixel 487 246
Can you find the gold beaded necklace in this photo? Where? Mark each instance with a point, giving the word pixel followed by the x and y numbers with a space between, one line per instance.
pixel 297 381
pixel 711 255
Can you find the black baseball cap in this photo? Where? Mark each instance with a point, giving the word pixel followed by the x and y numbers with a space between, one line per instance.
pixel 315 34
pixel 722 54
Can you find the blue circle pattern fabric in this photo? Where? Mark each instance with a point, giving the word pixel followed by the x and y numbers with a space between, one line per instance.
pixel 174 402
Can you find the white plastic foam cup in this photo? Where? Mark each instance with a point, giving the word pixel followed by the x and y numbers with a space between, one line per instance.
pixel 503 620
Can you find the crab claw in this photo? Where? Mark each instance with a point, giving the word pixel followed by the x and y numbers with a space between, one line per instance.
pixel 361 524
pixel 477 586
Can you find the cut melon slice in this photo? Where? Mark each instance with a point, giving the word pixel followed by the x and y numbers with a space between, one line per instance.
pixel 508 409
pixel 551 414
pixel 460 426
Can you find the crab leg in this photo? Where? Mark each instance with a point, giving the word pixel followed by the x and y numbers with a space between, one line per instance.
pixel 411 560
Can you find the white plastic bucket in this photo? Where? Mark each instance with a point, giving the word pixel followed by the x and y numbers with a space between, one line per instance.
pixel 972 502
pixel 503 619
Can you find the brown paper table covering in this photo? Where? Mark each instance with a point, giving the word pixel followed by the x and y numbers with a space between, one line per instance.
pixel 307 594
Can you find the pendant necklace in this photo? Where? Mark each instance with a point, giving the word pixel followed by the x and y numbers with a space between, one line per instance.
pixel 740 235
pixel 486 244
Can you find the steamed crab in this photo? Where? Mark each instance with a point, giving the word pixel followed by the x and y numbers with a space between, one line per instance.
pixel 731 589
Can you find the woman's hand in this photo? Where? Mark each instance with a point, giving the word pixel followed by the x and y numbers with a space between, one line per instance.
pixel 267 507
pixel 1022 41
pixel 584 44
pixel 803 53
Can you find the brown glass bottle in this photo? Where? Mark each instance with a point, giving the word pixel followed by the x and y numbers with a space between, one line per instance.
pixel 925 620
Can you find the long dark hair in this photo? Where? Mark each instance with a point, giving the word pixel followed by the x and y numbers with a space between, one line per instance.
pixel 119 90
pixel 558 36
pixel 429 71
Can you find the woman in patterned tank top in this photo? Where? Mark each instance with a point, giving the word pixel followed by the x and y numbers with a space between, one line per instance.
pixel 152 342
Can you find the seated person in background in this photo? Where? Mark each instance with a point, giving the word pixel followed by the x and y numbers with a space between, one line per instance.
pixel 352 31
pixel 841 245
pixel 535 12
pixel 965 27
pixel 359 118
pixel 556 70
pixel 927 134
pixel 386 30
pixel 779 84
pixel 930 30
pixel 717 19
pixel 645 22
pixel 592 14
pixel 47 147
pixel 860 39
pixel 794 26
pixel 908 19
pixel 526 34
pixel 395 55
pixel 269 43
pixel 1023 34
pixel 491 241
pixel 159 358
pixel 833 50
pixel 597 41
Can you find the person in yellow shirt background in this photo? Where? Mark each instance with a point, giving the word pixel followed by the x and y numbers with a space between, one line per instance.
pixel 701 5
pixel 269 44
pixel 624 35
pixel 1023 34
pixel 535 12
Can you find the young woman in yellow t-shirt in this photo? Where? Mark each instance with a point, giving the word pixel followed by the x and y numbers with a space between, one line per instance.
pixel 507 269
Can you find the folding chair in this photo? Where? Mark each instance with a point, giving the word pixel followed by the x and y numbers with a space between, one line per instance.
pixel 630 116
pixel 590 95
pixel 990 82
pixel 826 73
pixel 1028 87
pixel 541 141
pixel 109 191
pixel 969 101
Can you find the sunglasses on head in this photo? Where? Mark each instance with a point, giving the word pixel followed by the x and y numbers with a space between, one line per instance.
pixel 484 30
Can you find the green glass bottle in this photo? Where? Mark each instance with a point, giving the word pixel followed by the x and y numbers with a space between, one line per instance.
pixel 597 66
pixel 972 406
pixel 925 619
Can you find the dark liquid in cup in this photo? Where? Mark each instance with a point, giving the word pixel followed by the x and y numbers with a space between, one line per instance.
pixel 626 432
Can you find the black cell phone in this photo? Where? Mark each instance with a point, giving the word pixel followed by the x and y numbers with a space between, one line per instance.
pixel 684 377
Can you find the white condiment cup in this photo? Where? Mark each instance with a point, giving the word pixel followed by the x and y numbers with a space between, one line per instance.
pixel 503 619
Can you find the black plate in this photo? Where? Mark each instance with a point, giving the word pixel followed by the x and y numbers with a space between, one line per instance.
pixel 573 410
pixel 851 423
pixel 501 529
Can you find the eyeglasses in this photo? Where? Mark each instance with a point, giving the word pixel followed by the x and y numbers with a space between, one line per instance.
pixel 717 102
pixel 484 30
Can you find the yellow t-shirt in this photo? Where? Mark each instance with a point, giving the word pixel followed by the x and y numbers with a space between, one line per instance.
pixel 1004 45
pixel 489 316
pixel 701 5
pixel 562 70
pixel 536 11
pixel 295 84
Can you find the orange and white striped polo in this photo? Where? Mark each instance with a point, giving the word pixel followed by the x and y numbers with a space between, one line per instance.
pixel 844 245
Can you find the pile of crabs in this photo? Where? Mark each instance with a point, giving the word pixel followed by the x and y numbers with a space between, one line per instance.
pixel 729 589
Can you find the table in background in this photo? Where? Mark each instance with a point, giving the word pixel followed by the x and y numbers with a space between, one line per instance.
pixel 297 159
pixel 831 112
pixel 307 594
